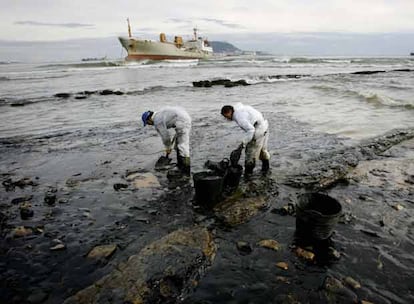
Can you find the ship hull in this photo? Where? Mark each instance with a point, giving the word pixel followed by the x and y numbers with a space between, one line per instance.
pixel 155 50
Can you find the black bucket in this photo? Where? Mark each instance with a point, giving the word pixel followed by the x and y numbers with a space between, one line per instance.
pixel 232 177
pixel 316 215
pixel 208 189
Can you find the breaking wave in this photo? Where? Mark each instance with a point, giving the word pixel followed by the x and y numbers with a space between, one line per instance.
pixel 94 64
pixel 319 60
pixel 370 97
pixel 383 100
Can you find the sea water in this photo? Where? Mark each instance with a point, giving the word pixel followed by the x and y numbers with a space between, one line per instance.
pixel 326 95
pixel 75 129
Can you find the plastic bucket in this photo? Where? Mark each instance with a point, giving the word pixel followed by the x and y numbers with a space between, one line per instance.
pixel 316 215
pixel 208 189
pixel 232 177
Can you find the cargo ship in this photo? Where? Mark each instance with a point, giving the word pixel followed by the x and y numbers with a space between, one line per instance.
pixel 141 49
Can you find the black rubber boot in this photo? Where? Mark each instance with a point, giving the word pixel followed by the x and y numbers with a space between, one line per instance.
pixel 185 169
pixel 248 169
pixel 265 165
pixel 183 163
pixel 180 161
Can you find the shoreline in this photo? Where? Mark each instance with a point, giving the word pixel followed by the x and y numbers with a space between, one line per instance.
pixel 76 208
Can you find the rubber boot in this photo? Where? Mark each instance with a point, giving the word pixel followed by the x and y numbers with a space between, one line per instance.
pixel 265 165
pixel 183 163
pixel 186 166
pixel 248 169
pixel 180 161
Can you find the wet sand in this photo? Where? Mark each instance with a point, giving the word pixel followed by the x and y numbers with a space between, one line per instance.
pixel 68 181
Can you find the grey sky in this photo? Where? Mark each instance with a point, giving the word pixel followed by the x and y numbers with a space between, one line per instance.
pixel 34 29
pixel 61 19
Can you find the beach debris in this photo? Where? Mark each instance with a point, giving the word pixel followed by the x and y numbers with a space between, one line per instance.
pixel 21 231
pixel 288 209
pixel 119 186
pixel 282 265
pixel 380 265
pixel 352 282
pixel 102 251
pixel 72 182
pixel 271 244
pixel 143 220
pixel 336 292
pixel 26 211
pixel 63 201
pixel 366 302
pixel 57 247
pixel 370 233
pixel 21 199
pixel 10 185
pixel 244 247
pixel 50 198
pixel 333 253
pixel 304 254
pixel 282 279
pixel 398 207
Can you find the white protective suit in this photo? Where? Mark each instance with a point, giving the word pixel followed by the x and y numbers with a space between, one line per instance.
pixel 257 133
pixel 177 118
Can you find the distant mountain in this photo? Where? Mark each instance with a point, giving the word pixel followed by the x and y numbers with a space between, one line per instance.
pixel 224 47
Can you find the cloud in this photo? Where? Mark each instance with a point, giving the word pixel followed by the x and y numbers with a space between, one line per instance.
pixel 68 25
pixel 224 23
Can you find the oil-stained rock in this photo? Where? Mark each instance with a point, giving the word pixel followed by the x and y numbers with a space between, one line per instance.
pixel 143 180
pixel 102 251
pixel 233 212
pixel 336 292
pixel 162 272
pixel 270 244
pixel 329 168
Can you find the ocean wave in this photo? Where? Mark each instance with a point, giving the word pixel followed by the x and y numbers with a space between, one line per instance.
pixel 33 77
pixel 89 64
pixel 7 62
pixel 370 97
pixel 319 60
pixel 382 61
pixel 383 100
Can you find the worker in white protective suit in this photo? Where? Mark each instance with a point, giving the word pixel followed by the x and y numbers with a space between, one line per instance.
pixel 257 134
pixel 177 118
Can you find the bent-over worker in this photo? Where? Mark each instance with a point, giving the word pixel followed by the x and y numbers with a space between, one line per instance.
pixel 257 134
pixel 178 119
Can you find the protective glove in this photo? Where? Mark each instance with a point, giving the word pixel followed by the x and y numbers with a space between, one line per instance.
pixel 236 154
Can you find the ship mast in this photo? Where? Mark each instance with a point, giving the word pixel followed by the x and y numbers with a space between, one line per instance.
pixel 195 33
pixel 129 29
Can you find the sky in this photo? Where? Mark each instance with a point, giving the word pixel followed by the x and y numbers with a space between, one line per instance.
pixel 248 21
